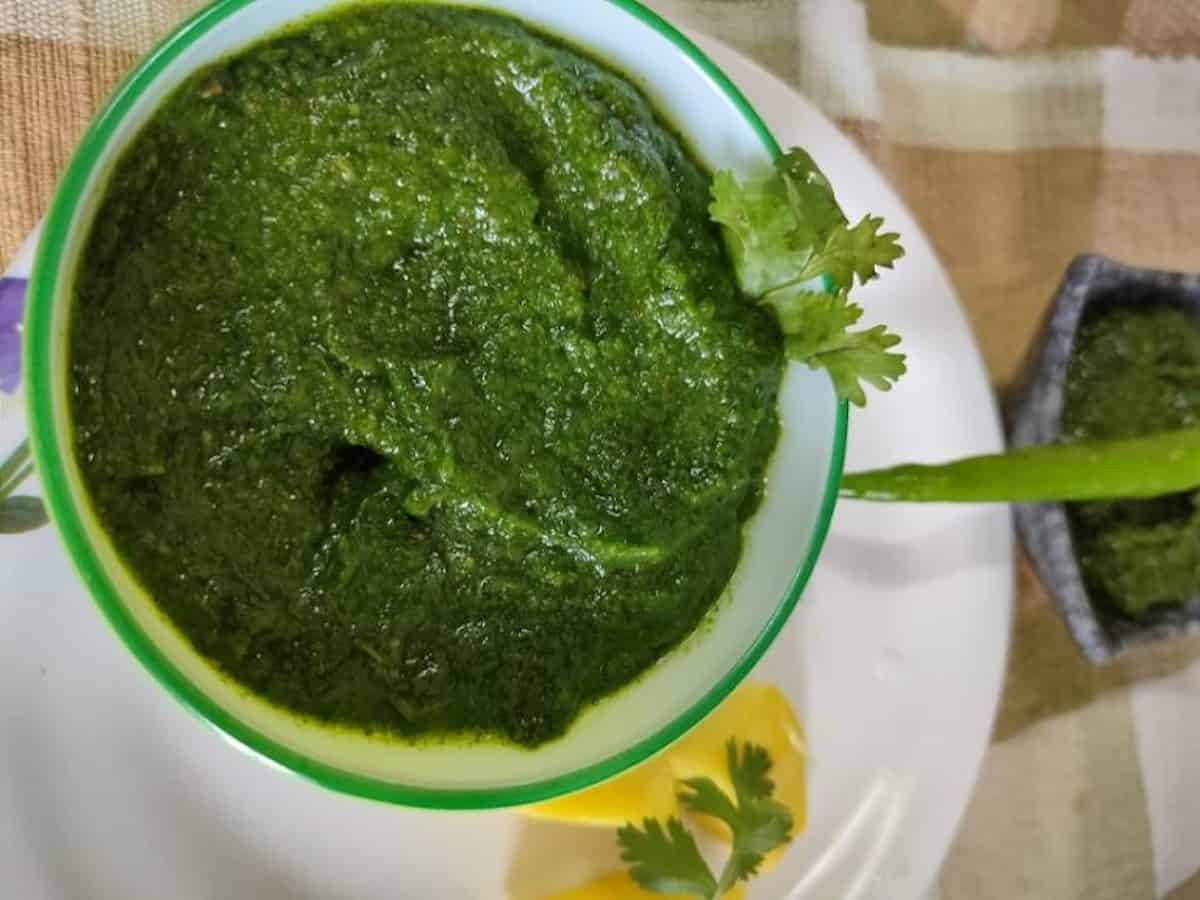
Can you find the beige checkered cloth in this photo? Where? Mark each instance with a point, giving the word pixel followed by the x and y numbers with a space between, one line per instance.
pixel 1021 132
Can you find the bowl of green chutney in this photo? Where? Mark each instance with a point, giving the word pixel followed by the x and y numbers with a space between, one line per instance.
pixel 392 395
pixel 1118 357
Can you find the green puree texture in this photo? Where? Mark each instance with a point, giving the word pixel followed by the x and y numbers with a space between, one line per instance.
pixel 411 378
pixel 1136 371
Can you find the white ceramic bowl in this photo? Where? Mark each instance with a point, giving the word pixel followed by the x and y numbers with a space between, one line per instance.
pixel 784 538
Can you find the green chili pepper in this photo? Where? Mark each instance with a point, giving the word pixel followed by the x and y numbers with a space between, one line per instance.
pixel 1151 466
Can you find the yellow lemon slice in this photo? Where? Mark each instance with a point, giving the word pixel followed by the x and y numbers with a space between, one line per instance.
pixel 620 886
pixel 647 792
pixel 756 712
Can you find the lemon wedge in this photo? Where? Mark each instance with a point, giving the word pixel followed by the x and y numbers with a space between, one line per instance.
pixel 757 713
pixel 647 792
pixel 619 886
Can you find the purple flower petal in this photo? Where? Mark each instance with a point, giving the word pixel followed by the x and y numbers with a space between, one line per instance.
pixel 12 311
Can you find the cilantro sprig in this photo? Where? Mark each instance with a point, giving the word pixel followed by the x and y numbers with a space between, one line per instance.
pixel 667 860
pixel 786 230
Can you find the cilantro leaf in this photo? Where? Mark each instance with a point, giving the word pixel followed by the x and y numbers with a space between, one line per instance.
pixel 666 861
pixel 817 332
pixel 757 823
pixel 854 357
pixel 860 251
pixel 759 233
pixel 811 319
pixel 786 231
pixel 810 196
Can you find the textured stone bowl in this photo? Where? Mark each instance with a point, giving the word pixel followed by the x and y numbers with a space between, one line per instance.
pixel 1034 414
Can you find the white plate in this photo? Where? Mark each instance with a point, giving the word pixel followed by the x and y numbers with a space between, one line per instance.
pixel 895 659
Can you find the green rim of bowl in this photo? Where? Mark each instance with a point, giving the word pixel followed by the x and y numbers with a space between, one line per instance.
pixel 49 453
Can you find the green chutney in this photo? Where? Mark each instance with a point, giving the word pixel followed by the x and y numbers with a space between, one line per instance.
pixel 1136 371
pixel 411 378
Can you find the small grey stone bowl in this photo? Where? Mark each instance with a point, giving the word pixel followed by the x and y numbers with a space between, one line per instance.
pixel 1034 413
